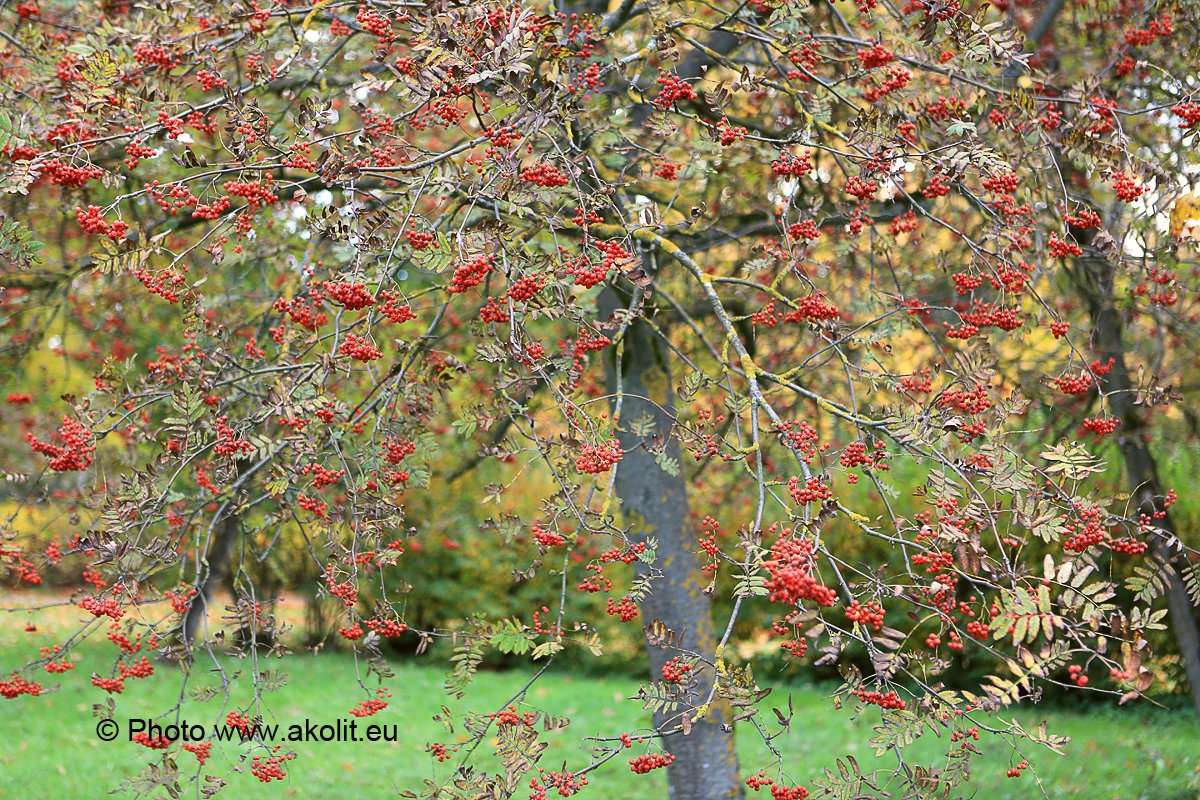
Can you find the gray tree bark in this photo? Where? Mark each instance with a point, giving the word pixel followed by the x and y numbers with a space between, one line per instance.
pixel 655 504
pixel 1094 280
pixel 216 561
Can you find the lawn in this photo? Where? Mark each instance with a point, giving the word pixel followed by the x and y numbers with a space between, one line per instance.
pixel 51 749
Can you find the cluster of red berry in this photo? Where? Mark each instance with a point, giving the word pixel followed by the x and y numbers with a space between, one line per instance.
pixel 594 459
pixel 648 761
pixel 74 454
pixel 674 670
pixel 790 567
pixel 1060 249
pixel 373 706
pixel 267 769
pixel 889 700
pixel 869 614
pixel 625 610
pixel 778 790
pixel 1127 187
pixel 813 307
pixel 1101 426
pixel 672 90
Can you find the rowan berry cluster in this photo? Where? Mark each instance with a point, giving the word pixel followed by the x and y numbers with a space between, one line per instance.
pixel 227 442
pixel 268 769
pixel 201 750
pixel 396 450
pixel 1127 187
pixel 566 784
pixel 387 628
pixel 546 538
pixel 890 700
pixel 359 349
pixel 1190 113
pixel 649 761
pixel 672 90
pixel 625 610
pixel 110 685
pixel 790 567
pixel 74 454
pixel 1059 329
pixel 596 582
pixel 470 274
pixel 789 164
pixel 860 188
pixel 778 790
pixel 142 668
pixel 1101 426
pixel 813 491
pixel 240 722
pixel 875 56
pixel 1002 184
pixel 805 229
pixel 545 175
pixel 594 459
pixel 802 438
pixel 346 590
pixel 323 477
pixel 135 152
pixel 107 607
pixel 1015 772
pixel 905 223
pixel 1083 218
pixel 937 187
pixel 495 311
pixel 1074 384
pixel 373 706
pixel 163 283
pixel 813 307
pixel 1143 37
pixel 728 134
pixel 665 169
pixel 256 193
pixel 55 666
pixel 921 381
pixel 180 601
pixel 17 686
pixel 316 506
pixel 394 308
pixel 509 716
pixel 1061 249
pixel 68 175
pixel 1130 547
pixel 674 670
pixel 440 751
pixel 869 614
pixel 350 295
pixel 92 221
pixel 375 23
pixel 1087 531
pixel 210 80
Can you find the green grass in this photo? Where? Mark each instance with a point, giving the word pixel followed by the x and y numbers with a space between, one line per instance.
pixel 50 748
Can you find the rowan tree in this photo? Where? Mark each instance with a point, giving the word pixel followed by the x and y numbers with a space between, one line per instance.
pixel 692 280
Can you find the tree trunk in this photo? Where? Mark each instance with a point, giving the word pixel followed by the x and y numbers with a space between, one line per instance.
pixel 1094 281
pixel 216 561
pixel 655 504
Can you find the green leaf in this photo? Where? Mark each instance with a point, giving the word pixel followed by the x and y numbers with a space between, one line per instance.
pixel 667 464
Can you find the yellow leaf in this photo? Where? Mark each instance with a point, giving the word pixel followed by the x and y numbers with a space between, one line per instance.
pixel 1186 210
